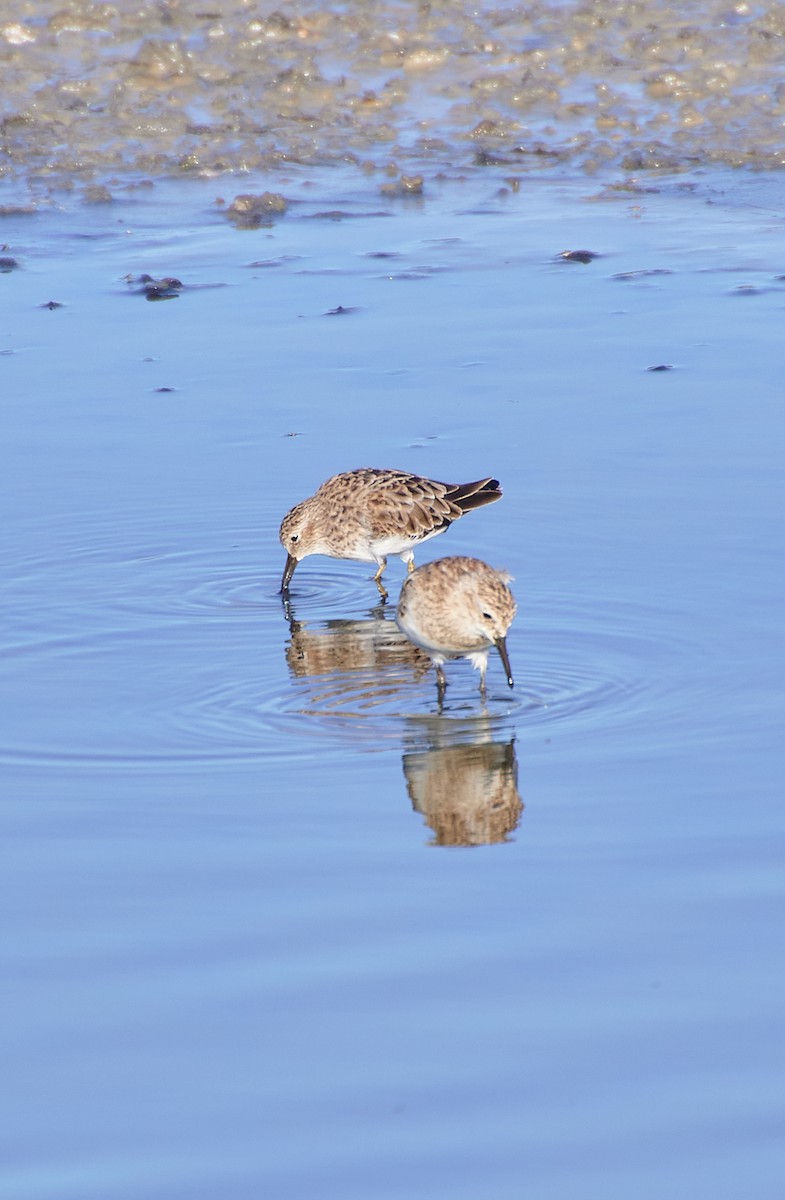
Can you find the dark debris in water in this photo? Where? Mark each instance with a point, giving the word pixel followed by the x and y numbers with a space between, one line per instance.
pixel 661 367
pixel 97 194
pixel 274 262
pixel 249 211
pixel 165 288
pixel 161 293
pixel 51 305
pixel 332 214
pixel 406 185
pixel 340 311
pixel 626 187
pixel 627 276
pixel 7 263
pixel 577 256
pixel 340 214
pixel 486 158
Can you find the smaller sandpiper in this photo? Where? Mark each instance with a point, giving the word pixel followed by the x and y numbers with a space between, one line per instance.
pixel 458 608
pixel 365 515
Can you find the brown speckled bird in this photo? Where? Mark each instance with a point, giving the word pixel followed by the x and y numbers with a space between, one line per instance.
pixel 458 608
pixel 367 514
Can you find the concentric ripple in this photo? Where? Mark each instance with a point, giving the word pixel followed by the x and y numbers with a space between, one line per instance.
pixel 580 672
pixel 128 648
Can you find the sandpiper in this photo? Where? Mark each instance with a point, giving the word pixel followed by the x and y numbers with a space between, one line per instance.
pixel 457 608
pixel 367 514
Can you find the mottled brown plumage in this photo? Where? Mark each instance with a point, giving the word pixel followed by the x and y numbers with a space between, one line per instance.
pixel 367 514
pixel 468 794
pixel 458 608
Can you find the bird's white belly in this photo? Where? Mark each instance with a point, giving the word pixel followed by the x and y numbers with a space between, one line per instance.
pixel 476 653
pixel 398 544
pixel 436 650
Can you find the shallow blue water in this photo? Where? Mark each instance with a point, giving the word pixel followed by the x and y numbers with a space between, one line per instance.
pixel 244 954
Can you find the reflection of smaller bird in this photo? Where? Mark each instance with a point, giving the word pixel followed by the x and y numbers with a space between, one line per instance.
pixel 457 608
pixel 367 514
pixel 467 794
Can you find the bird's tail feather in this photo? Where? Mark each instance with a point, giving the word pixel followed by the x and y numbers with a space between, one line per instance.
pixel 474 495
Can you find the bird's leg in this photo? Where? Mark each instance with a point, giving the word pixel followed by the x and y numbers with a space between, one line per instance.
pixel 378 579
pixel 410 565
pixel 441 683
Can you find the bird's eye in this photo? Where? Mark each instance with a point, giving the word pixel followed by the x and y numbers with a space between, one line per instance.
pixel 294 537
pixel 488 616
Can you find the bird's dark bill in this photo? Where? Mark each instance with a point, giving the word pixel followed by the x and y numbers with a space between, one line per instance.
pixel 501 646
pixel 288 571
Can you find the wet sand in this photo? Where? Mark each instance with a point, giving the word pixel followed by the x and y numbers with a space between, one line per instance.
pixel 97 93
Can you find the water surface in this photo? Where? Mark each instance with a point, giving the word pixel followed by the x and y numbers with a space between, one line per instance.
pixel 275 924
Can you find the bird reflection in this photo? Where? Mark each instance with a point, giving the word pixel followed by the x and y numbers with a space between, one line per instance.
pixel 467 793
pixel 369 653
pixel 460 774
